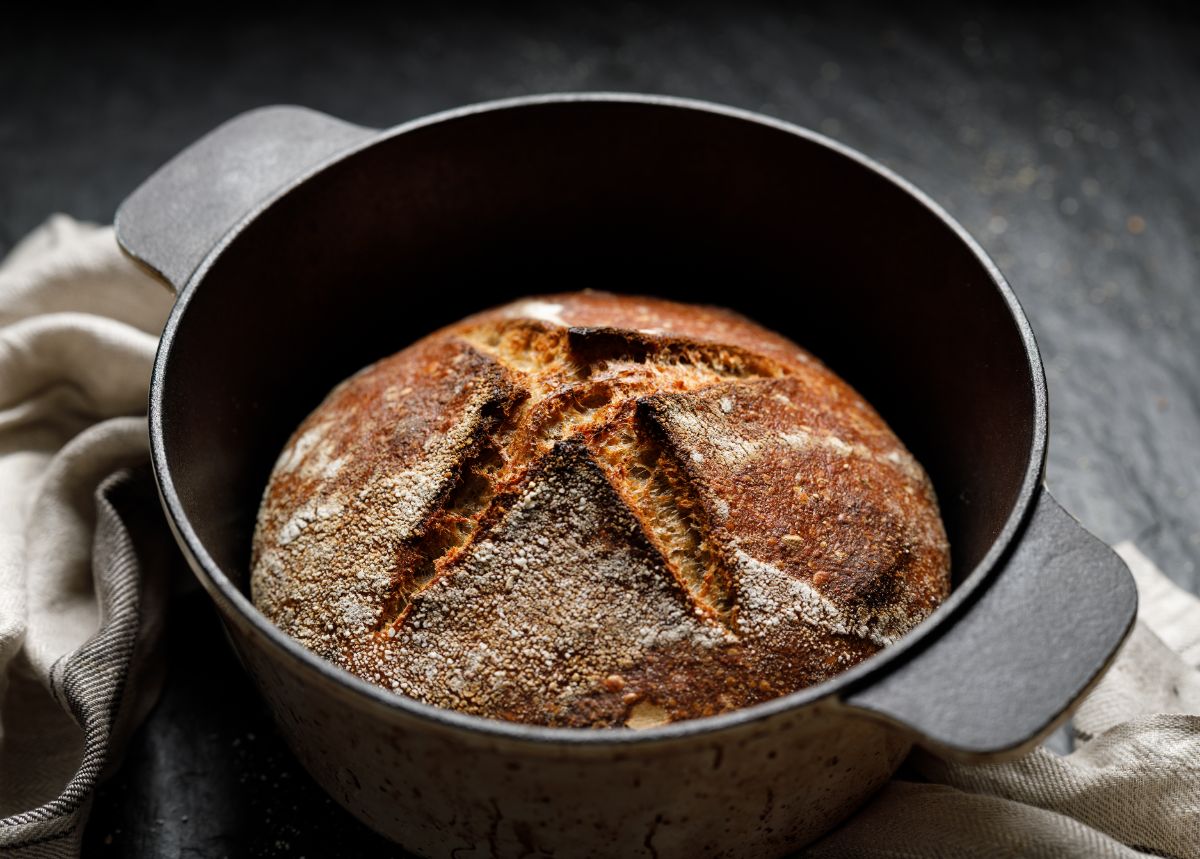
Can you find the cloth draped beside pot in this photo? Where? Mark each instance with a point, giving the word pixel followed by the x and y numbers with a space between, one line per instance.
pixel 83 555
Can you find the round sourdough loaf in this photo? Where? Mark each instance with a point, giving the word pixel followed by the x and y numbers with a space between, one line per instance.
pixel 597 510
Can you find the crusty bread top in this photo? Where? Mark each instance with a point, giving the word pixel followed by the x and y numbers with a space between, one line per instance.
pixel 597 510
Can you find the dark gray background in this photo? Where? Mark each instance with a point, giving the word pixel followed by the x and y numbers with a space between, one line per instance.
pixel 1066 139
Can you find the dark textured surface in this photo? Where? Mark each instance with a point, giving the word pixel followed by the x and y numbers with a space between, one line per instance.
pixel 1063 139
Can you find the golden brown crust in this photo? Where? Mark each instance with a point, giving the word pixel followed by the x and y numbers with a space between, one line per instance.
pixel 597 510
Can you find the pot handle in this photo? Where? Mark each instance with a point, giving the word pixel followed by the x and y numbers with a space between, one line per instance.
pixel 174 218
pixel 1022 653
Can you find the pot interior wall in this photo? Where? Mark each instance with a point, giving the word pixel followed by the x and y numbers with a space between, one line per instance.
pixel 433 224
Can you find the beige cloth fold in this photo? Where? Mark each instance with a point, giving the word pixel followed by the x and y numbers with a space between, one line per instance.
pixel 79 607
pixel 80 603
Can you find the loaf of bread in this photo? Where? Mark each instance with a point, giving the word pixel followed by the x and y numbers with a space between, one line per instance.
pixel 597 510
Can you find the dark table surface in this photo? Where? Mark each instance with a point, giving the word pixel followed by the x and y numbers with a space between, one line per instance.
pixel 1064 139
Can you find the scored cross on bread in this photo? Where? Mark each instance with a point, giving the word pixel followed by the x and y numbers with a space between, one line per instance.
pixel 597 510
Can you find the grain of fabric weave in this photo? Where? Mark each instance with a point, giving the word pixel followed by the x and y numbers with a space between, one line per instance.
pixel 82 543
pixel 83 550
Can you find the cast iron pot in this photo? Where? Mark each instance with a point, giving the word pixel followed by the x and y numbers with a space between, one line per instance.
pixel 303 248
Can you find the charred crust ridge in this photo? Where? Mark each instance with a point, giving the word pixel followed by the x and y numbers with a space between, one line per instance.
pixel 456 516
pixel 650 478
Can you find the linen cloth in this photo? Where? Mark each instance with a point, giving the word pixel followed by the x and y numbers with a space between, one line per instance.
pixel 81 544
pixel 83 549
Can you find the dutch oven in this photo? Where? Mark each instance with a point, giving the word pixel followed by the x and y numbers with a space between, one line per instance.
pixel 303 248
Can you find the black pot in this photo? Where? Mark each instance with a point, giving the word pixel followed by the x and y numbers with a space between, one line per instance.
pixel 304 248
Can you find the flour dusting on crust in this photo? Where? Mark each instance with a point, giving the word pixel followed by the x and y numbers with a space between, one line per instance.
pixel 594 510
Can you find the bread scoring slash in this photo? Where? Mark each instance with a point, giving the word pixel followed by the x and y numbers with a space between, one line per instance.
pixel 597 510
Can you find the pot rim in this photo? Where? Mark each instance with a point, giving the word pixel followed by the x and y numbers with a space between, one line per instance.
pixel 227 594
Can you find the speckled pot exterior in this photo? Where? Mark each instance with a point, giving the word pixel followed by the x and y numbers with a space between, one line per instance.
pixel 302 247
pixel 760 789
